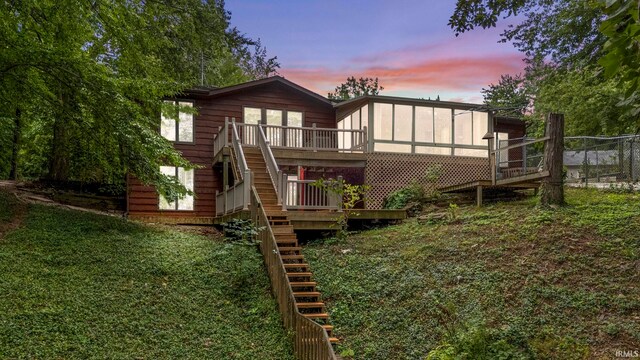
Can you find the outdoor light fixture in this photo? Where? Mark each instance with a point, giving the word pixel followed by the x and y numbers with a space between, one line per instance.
pixel 488 136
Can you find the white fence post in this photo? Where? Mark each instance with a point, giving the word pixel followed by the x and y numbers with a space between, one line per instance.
pixel 246 189
pixel 314 140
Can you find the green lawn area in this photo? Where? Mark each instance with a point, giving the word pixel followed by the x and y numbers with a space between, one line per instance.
pixel 75 285
pixel 507 281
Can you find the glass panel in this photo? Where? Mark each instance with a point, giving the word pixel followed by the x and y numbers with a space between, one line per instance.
pixel 186 178
pixel 168 125
pixel 346 134
pixel 382 116
pixel 274 135
pixel 471 152
pixel 463 127
pixel 433 150
pixel 403 125
pixel 480 126
pixel 364 116
pixel 355 120
pixel 294 136
pixel 503 155
pixel 395 148
pixel 292 191
pixel 252 115
pixel 424 124
pixel 442 125
pixel 340 134
pixel 164 204
pixel 185 126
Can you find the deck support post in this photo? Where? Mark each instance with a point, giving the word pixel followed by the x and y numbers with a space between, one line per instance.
pixel 552 191
pixel 479 196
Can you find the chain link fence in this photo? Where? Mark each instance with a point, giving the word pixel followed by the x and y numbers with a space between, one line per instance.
pixel 590 159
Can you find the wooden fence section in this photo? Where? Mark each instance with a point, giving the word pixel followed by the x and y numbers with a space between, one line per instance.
pixel 387 172
pixel 311 341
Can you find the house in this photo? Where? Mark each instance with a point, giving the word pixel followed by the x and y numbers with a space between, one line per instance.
pixel 262 144
pixel 603 165
pixel 383 141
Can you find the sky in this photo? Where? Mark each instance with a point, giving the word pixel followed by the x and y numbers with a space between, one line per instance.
pixel 407 44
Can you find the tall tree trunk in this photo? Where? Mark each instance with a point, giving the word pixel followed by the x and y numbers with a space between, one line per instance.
pixel 552 191
pixel 59 160
pixel 17 131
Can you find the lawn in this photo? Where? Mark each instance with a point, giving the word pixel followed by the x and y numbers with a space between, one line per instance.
pixel 509 280
pixel 75 285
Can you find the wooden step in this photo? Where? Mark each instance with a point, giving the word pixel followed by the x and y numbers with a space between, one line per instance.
pixel 306 294
pixel 296 266
pixel 333 340
pixel 327 327
pixel 282 229
pixel 299 274
pixel 289 248
pixel 291 257
pixel 302 283
pixel 317 316
pixel 307 305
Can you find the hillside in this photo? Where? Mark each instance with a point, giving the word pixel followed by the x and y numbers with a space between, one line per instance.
pixel 510 280
pixel 75 285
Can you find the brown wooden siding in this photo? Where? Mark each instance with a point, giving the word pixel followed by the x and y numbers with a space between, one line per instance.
pixel 143 200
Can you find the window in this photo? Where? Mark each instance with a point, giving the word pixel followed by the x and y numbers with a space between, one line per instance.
pixel 186 178
pixel 442 125
pixel 503 155
pixel 403 122
pixel 294 136
pixel 382 121
pixel 480 126
pixel 424 124
pixel 463 127
pixel 180 130
pixel 252 115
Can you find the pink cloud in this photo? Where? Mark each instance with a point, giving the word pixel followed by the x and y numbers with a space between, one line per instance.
pixel 468 74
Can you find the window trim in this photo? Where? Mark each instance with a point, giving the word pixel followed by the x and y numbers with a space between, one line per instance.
pixel 177 126
pixel 175 202
pixel 263 114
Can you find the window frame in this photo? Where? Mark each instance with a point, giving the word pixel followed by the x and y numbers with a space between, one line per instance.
pixel 177 124
pixel 175 202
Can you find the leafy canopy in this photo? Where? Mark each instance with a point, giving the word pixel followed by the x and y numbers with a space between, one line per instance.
pixel 89 78
pixel 353 88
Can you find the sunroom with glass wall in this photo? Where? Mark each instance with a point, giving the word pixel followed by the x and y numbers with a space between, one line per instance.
pixel 399 125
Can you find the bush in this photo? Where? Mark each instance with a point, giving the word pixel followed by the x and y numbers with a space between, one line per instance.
pixel 416 194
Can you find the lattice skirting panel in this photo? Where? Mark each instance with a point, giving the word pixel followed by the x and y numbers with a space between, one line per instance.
pixel 387 172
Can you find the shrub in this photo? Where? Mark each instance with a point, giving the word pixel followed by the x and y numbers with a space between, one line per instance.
pixel 241 231
pixel 416 194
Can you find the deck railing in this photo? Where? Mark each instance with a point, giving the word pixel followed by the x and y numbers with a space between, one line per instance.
pixel 222 138
pixel 305 138
pixel 272 166
pixel 236 197
pixel 518 157
pixel 311 340
pixel 303 194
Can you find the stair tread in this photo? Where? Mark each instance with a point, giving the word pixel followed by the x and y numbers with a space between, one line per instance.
pixel 295 265
pixel 306 293
pixel 292 257
pixel 299 274
pixel 303 283
pixel 327 327
pixel 306 305
pixel 333 340
pixel 289 248
pixel 316 316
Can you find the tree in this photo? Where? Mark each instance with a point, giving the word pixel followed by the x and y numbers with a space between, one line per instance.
pixel 621 60
pixel 510 97
pixel 88 79
pixel 353 88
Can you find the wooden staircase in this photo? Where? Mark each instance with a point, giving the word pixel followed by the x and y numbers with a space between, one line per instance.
pixel 308 298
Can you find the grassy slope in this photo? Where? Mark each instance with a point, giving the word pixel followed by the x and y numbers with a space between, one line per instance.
pixel 507 279
pixel 76 285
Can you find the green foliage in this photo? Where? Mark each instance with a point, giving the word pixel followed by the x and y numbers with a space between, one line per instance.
pixel 348 195
pixel 89 79
pixel 353 88
pixel 512 96
pixel 514 280
pixel 621 60
pixel 416 194
pixel 242 231
pixel 81 286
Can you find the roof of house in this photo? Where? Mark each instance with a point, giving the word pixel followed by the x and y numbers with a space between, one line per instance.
pixel 602 157
pixel 412 101
pixel 211 91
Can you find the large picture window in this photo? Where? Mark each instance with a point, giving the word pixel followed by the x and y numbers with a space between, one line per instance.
pixel 176 122
pixel 186 178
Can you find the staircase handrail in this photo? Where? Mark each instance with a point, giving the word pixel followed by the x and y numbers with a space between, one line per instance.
pixel 237 148
pixel 310 340
pixel 272 166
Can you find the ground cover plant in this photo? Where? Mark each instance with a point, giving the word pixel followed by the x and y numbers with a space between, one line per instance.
pixel 78 286
pixel 506 281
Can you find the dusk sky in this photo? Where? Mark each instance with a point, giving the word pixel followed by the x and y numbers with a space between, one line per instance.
pixel 406 44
